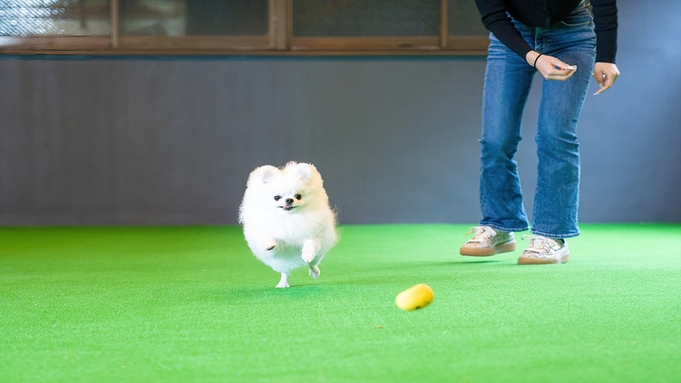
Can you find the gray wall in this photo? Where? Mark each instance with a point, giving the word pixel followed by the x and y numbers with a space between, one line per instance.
pixel 172 140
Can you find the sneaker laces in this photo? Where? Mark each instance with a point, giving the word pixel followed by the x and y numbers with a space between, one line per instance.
pixel 539 244
pixel 482 234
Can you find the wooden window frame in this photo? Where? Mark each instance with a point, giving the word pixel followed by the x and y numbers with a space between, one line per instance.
pixel 279 41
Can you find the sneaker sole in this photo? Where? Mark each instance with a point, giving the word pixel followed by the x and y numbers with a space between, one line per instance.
pixel 478 252
pixel 542 261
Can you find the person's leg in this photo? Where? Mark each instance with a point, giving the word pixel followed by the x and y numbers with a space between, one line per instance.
pixel 507 84
pixel 557 195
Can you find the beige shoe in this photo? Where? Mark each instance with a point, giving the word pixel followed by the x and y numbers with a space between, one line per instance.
pixel 487 241
pixel 544 250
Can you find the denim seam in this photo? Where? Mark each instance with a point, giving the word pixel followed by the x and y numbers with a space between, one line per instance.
pixel 556 236
pixel 503 229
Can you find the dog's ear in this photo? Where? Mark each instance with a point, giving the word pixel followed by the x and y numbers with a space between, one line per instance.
pixel 305 171
pixel 264 174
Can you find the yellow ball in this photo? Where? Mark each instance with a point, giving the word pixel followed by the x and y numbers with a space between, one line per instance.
pixel 415 297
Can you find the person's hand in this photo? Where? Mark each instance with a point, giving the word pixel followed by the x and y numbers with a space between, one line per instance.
pixel 605 75
pixel 550 67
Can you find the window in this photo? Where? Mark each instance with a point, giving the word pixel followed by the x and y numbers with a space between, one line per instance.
pixel 310 27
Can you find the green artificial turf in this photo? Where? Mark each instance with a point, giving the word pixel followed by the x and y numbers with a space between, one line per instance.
pixel 191 304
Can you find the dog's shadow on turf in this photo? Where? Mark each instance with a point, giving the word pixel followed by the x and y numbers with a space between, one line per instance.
pixel 381 273
pixel 249 293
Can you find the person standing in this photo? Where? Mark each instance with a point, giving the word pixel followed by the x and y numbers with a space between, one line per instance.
pixel 567 42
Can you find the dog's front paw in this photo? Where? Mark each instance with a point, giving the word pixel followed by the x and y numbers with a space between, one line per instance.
pixel 310 249
pixel 314 272
pixel 307 255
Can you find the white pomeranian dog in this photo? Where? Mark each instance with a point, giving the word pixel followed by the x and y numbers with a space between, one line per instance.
pixel 286 217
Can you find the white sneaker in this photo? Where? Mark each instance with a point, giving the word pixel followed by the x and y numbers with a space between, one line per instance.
pixel 544 250
pixel 487 241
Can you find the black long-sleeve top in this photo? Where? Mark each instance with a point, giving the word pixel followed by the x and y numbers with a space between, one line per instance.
pixel 544 13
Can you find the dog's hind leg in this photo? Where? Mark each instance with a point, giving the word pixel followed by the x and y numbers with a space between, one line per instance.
pixel 283 282
pixel 314 271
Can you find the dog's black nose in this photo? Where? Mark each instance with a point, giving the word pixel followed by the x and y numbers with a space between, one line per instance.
pixel 289 201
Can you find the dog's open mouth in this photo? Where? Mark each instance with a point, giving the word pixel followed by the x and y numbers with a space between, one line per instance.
pixel 288 207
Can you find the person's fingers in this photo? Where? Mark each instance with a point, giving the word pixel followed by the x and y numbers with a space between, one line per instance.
pixel 554 69
pixel 569 72
pixel 599 76
pixel 606 84
pixel 560 76
pixel 605 80
pixel 560 72
pixel 605 74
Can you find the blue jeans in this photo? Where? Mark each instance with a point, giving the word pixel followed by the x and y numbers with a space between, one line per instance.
pixel 507 85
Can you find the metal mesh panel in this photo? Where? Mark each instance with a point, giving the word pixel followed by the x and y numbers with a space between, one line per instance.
pixel 55 17
pixel 362 18
pixel 464 19
pixel 233 17
pixel 194 17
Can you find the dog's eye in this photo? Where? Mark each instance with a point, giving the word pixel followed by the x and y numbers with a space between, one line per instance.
pixel 298 196
pixel 277 197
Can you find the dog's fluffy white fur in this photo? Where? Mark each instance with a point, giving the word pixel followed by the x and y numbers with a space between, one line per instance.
pixel 286 218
